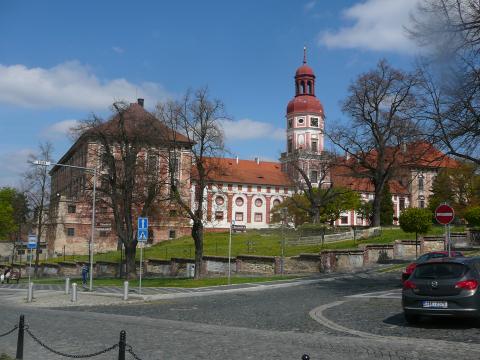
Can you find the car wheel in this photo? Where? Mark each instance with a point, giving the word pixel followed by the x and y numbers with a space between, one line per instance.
pixel 411 318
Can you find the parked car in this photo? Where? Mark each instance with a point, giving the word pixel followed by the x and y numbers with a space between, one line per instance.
pixel 443 287
pixel 425 257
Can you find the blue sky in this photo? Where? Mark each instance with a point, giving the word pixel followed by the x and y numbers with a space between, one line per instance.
pixel 60 61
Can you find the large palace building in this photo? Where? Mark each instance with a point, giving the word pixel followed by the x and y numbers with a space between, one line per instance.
pixel 244 192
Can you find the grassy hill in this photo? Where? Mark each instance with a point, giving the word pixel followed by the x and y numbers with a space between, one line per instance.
pixel 252 242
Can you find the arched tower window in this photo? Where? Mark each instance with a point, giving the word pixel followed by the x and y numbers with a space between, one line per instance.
pixel 296 88
pixel 303 87
pixel 310 88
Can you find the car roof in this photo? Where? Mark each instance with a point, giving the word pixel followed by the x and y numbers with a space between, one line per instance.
pixel 458 260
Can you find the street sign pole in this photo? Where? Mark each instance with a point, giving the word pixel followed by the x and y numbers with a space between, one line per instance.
pixel 30 269
pixel 141 268
pixel 444 214
pixel 230 253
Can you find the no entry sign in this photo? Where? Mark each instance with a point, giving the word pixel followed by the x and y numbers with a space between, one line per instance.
pixel 444 214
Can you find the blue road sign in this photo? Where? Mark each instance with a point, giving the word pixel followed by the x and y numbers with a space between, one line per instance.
pixel 142 235
pixel 142 223
pixel 32 242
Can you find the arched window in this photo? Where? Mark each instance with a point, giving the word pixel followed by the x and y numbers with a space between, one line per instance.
pixel 310 89
pixel 296 88
pixel 303 87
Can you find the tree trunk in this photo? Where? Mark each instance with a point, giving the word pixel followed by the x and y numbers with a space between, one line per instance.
pixel 377 207
pixel 130 252
pixel 197 235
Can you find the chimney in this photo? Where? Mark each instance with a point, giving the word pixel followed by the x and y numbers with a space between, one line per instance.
pixel 236 159
pixel 140 102
pixel 257 160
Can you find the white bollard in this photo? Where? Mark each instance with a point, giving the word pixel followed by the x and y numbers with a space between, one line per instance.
pixel 125 290
pixel 67 286
pixel 30 292
pixel 74 292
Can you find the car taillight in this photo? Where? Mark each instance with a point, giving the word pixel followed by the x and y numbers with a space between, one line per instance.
pixel 409 285
pixel 410 268
pixel 467 284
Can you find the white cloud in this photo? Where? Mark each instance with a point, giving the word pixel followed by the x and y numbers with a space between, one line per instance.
pixel 59 129
pixel 377 25
pixel 70 85
pixel 309 5
pixel 14 163
pixel 118 49
pixel 247 129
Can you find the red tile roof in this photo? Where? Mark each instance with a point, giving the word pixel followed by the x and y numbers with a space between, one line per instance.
pixel 227 170
pixel 139 123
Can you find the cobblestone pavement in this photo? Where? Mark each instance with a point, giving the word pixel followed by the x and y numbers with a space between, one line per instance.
pixel 270 324
pixel 383 315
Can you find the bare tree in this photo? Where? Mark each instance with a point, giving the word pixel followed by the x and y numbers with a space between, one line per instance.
pixel 127 150
pixel 319 189
pixel 451 73
pixel 36 187
pixel 197 118
pixel 381 106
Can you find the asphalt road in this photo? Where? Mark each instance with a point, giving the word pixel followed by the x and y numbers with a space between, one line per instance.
pixel 265 324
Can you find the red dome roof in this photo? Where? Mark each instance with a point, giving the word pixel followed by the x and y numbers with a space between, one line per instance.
pixel 304 70
pixel 305 103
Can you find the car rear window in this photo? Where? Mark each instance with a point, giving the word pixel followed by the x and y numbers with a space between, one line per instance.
pixel 440 270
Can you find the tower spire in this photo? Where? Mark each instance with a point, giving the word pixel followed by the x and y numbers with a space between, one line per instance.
pixel 304 54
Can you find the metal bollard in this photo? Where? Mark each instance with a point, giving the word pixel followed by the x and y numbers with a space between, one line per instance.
pixel 74 292
pixel 67 286
pixel 21 330
pixel 122 345
pixel 30 292
pixel 125 290
pixel 305 357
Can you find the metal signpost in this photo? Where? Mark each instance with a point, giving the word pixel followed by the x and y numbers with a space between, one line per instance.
pixel 444 214
pixel 142 236
pixel 230 251
pixel 31 245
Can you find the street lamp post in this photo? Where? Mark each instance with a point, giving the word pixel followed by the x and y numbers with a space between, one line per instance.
pixel 92 238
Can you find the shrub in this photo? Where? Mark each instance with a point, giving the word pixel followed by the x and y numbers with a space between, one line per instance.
pixel 414 220
pixel 472 215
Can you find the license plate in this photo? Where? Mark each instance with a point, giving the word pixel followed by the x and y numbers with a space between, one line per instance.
pixel 435 304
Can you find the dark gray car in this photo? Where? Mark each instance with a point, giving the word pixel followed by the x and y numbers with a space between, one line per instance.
pixel 443 287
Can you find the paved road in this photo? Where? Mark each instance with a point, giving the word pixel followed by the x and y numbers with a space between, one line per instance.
pixel 271 324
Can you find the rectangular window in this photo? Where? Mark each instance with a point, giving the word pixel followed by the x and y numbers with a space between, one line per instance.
pixel 420 184
pixel 402 204
pixel 289 145
pixel 72 209
pixel 314 122
pixel 314 176
pixel 152 164
pixel 259 188
pixel 239 187
pixel 421 204
pixel 314 146
pixel 239 216
pixel 218 215
pixel 258 217
pixel 359 220
pixel 70 231
pixel 344 220
pixel 172 234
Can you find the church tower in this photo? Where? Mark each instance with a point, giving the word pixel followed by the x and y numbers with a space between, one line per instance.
pixel 305 127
